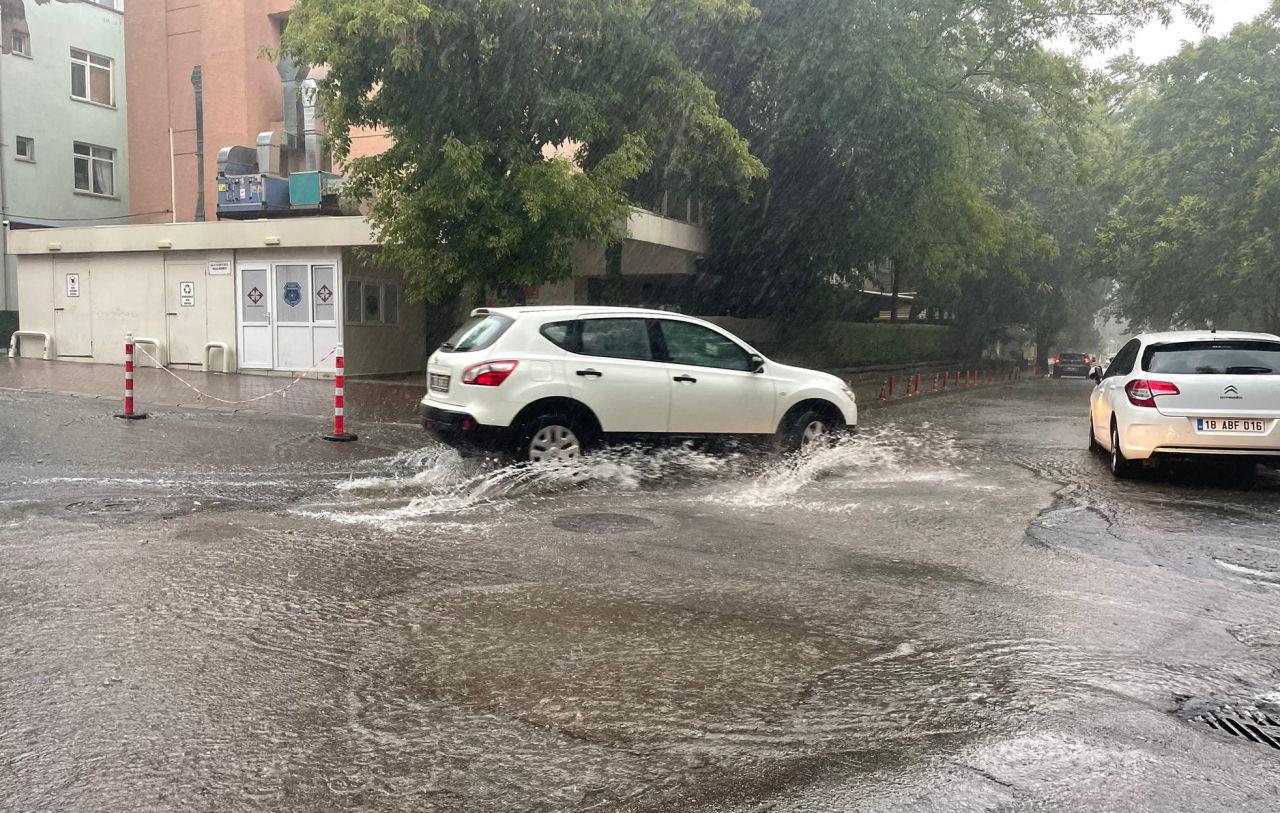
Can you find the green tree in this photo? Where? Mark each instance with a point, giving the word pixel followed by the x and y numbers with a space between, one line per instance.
pixel 877 119
pixel 472 91
pixel 1195 238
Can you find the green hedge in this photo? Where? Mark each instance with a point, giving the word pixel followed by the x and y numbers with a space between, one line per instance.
pixel 8 324
pixel 857 344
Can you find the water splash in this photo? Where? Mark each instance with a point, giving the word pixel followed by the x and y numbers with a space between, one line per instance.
pixel 435 483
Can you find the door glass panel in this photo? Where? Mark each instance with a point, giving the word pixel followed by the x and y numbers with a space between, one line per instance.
pixel 292 302
pixel 324 293
pixel 698 346
pixel 254 296
pixel 617 338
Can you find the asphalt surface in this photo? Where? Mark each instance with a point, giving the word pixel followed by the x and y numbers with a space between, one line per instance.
pixel 958 609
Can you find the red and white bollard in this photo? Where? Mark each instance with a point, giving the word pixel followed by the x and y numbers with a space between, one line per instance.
pixel 128 413
pixel 340 433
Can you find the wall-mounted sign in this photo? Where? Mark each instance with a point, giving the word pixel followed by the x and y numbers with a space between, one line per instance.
pixel 292 294
pixel 219 268
pixel 186 289
pixel 73 285
pixel 188 301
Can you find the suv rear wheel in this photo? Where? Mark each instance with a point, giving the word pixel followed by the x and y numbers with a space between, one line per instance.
pixel 544 438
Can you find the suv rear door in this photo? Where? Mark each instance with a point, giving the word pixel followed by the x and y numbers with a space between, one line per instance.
pixel 612 367
pixel 1217 378
pixel 713 390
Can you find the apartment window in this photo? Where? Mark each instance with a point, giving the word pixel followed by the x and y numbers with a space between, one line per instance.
pixel 95 170
pixel 91 77
pixel 26 148
pixel 20 43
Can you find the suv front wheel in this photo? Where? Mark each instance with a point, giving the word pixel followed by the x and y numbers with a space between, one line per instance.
pixel 544 438
pixel 805 428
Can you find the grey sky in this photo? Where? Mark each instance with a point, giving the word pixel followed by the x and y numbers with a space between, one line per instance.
pixel 1155 42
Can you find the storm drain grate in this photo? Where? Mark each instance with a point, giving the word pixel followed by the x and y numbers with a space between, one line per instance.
pixel 106 505
pixel 601 523
pixel 1249 722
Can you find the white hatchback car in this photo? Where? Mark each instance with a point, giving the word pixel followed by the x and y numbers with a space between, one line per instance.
pixel 544 383
pixel 1189 394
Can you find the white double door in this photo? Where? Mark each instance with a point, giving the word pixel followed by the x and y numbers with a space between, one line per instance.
pixel 288 314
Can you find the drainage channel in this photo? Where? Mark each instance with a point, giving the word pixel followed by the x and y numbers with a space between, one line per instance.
pixel 1237 719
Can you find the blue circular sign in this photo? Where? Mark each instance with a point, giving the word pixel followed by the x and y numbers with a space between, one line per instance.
pixel 292 293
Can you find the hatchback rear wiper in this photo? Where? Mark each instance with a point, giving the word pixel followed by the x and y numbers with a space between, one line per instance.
pixel 1248 370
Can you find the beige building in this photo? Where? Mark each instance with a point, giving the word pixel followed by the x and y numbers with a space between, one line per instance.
pixel 246 296
pixel 269 295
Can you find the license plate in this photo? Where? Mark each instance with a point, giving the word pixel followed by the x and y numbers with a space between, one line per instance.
pixel 438 383
pixel 1251 427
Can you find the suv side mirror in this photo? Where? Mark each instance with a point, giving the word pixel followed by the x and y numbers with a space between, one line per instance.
pixel 757 364
pixel 1096 375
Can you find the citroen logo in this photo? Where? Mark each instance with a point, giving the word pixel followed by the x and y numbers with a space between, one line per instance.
pixel 1231 393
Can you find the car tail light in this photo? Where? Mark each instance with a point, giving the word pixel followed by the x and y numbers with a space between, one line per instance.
pixel 1144 392
pixel 489 374
pixel 1053 360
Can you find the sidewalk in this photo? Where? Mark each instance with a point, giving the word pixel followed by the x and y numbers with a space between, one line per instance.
pixel 379 401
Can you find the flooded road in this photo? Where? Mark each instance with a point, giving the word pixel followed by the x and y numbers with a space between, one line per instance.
pixel 957 609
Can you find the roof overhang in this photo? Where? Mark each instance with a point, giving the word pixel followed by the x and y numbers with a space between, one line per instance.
pixel 212 235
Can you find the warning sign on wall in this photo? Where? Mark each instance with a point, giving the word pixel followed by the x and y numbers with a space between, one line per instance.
pixel 73 285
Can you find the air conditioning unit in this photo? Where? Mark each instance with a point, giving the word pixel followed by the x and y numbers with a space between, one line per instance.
pixel 252 196
pixel 315 191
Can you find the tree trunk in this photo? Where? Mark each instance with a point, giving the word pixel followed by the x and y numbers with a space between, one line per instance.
pixel 893 296
pixel 1043 337
pixel 613 284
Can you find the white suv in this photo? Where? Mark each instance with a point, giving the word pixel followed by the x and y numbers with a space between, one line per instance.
pixel 545 383
pixel 1185 394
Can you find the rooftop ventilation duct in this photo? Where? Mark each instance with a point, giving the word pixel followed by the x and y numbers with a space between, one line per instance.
pixel 291 77
pixel 317 157
pixel 271 152
pixel 237 161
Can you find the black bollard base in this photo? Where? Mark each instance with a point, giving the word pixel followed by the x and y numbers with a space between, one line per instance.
pixel 345 437
pixel 136 416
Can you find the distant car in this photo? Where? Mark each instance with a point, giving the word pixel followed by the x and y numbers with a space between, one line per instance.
pixel 547 383
pixel 1192 394
pixel 1070 364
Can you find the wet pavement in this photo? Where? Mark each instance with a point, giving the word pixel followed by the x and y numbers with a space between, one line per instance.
pixel 958 609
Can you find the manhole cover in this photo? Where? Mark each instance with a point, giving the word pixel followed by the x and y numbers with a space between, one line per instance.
pixel 601 523
pixel 106 505
pixel 1260 725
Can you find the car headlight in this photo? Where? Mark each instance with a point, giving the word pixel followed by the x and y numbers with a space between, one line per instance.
pixel 849 392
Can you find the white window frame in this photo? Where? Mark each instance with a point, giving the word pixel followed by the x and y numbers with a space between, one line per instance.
pixel 356 301
pixel 14 36
pixel 384 291
pixel 30 157
pixel 88 61
pixel 93 159
pixel 386 288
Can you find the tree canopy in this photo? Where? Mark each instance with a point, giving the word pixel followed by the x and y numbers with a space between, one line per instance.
pixel 472 91
pixel 1195 237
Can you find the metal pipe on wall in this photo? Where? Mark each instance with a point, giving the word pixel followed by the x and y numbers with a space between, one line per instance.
pixel 173 181
pixel 197 82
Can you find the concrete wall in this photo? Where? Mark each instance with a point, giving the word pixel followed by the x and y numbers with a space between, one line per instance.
pixel 37 103
pixel 122 293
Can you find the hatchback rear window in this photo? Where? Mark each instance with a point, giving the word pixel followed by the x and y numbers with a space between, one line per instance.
pixel 1072 358
pixel 1213 358
pixel 477 333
